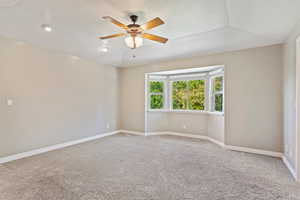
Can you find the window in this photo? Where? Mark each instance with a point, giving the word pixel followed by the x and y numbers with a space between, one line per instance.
pixel 156 94
pixel 186 92
pixel 217 94
pixel 188 95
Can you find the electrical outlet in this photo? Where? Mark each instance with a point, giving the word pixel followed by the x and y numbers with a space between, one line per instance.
pixel 9 102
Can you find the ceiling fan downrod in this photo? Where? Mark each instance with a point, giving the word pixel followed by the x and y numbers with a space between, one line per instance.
pixel 133 18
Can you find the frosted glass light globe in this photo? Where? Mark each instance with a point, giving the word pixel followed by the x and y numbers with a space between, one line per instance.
pixel 131 40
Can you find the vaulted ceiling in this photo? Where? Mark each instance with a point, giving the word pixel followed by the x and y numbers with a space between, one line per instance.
pixel 194 27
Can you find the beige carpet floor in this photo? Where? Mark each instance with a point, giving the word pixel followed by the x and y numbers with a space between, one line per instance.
pixel 124 167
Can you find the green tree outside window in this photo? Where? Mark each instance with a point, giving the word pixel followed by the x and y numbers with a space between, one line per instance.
pixel 218 93
pixel 196 89
pixel 219 102
pixel 218 84
pixel 188 95
pixel 156 94
pixel 156 86
pixel 179 95
pixel 157 102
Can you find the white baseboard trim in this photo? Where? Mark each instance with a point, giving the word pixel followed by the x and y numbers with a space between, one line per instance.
pixel 74 142
pixel 255 151
pixel 221 144
pixel 229 147
pixel 132 132
pixel 289 166
pixel 156 133
pixel 53 147
pixel 203 137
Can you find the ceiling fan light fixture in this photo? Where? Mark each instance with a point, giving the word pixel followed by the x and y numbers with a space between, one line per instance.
pixel 135 32
pixel 134 42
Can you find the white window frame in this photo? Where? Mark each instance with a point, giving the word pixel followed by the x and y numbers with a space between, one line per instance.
pixel 167 93
pixel 214 93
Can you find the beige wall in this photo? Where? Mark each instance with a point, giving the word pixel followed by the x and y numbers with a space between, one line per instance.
pixel 194 123
pixel 253 95
pixel 204 124
pixel 57 98
pixel 157 122
pixel 215 127
pixel 182 122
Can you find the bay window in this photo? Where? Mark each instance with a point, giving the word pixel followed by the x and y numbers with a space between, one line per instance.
pixel 202 92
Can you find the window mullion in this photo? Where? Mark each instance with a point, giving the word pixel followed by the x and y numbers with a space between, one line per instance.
pixel 170 99
pixel 187 95
pixel 212 96
pixel 206 92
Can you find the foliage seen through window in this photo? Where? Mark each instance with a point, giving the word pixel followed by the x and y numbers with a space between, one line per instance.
pixel 156 95
pixel 218 93
pixel 189 95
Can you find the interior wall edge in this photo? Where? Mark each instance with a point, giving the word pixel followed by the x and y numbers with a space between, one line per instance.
pixel 289 166
pixel 289 97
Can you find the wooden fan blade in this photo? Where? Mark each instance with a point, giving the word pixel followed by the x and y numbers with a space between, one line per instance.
pixel 152 23
pixel 112 36
pixel 154 38
pixel 116 22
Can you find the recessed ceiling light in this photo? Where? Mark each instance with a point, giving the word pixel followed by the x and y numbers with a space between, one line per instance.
pixel 46 27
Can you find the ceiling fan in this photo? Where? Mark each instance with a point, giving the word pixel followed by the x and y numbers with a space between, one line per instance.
pixel 136 32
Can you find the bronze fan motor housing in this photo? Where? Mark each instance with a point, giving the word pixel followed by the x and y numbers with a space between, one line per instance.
pixel 136 30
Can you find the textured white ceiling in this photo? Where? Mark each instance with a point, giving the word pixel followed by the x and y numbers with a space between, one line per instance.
pixel 194 27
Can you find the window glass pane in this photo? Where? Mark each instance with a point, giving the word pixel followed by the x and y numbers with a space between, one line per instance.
pixel 218 84
pixel 179 96
pixel 157 101
pixel 219 102
pixel 156 86
pixel 196 96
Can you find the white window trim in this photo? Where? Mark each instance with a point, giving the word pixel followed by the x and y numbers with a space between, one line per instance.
pixel 168 92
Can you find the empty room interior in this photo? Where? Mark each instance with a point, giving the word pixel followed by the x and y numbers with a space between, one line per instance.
pixel 149 100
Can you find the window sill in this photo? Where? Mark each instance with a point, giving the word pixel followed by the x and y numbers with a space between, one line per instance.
pixel 188 111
